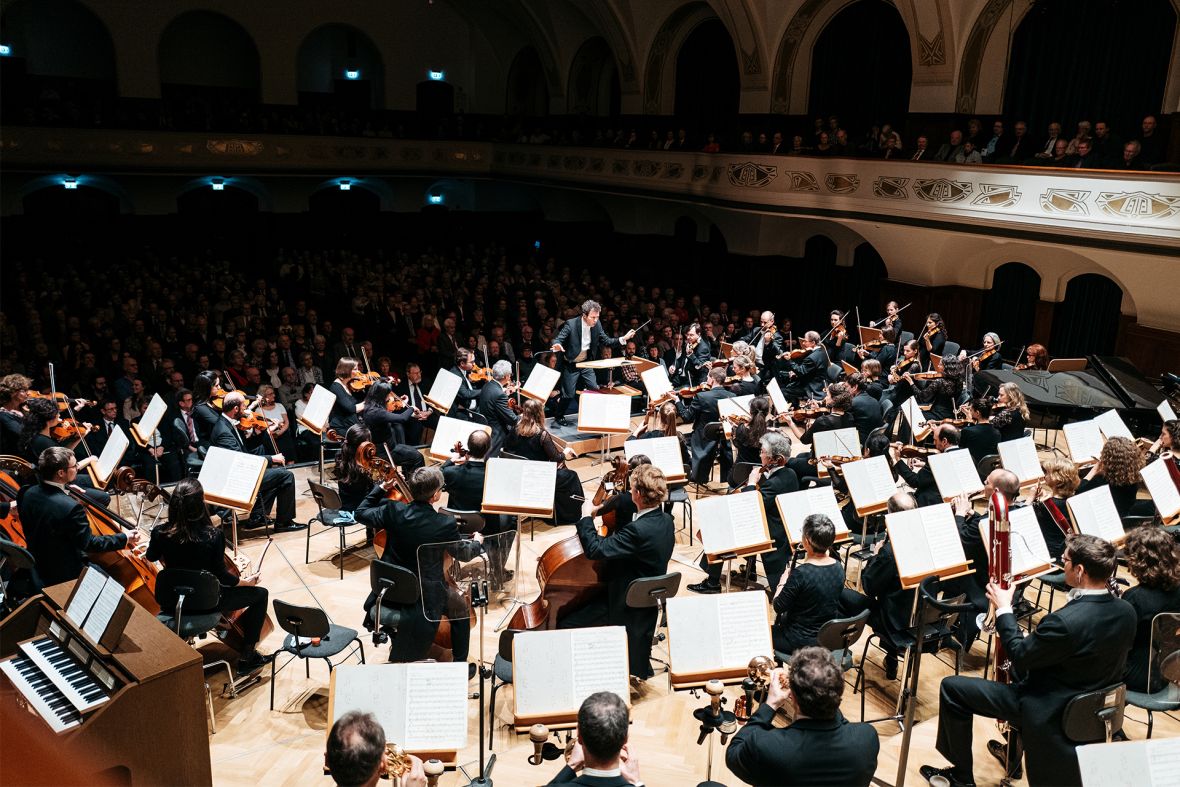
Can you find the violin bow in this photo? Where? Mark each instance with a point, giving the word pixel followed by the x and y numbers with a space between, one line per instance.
pixel 69 407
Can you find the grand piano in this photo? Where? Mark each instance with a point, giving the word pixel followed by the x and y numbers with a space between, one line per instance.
pixel 1056 398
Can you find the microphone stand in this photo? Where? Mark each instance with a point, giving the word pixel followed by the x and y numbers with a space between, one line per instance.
pixel 713 717
pixel 479 602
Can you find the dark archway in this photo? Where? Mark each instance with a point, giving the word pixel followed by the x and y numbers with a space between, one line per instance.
pixel 812 286
pixel 229 204
pixel 528 95
pixel 1097 60
pixel 340 66
pixel 61 65
pixel 356 201
pixel 208 58
pixel 1010 306
pixel 685 230
pixel 861 66
pixel 1087 321
pixel 864 287
pixel 66 205
pixel 708 83
pixel 594 81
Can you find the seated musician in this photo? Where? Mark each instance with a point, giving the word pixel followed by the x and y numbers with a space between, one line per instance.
pixel 1118 467
pixel 407 527
pixel 932 341
pixel 464 478
pixel 899 388
pixel 771 478
pixel 890 607
pixel 14 390
pixel 980 437
pixel 621 504
pixel 885 355
pixel 865 408
pixel 205 414
pixel 189 540
pixel 493 405
pixel 1010 413
pixel 388 427
pixel 356 754
pixel 346 407
pixel 353 482
pixel 1077 648
pixel 806 377
pixel 533 441
pixel 56 526
pixel 766 342
pixel 1153 556
pixel 747 440
pixel 701 411
pixel 946 438
pixel 747 382
pixel 838 401
pixel 820 747
pixel 641 548
pixel 836 342
pixel 993 361
pixel 36 436
pixel 1049 500
pixel 942 393
pixel 874 384
pixel 808 595
pixel 466 398
pixel 602 752
pixel 425 416
pixel 278 483
pixel 1036 358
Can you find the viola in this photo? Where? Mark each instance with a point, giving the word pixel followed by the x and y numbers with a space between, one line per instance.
pixel 808 413
pixel 69 429
pixel 832 460
pixel 691 391
pixel 217 397
pixel 738 419
pixel 794 355
pixel 913 451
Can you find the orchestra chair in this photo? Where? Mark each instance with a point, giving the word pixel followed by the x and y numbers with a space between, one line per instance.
pixel 1164 649
pixel 1055 583
pixel 740 475
pixel 469 522
pixel 838 636
pixel 647 592
pixel 332 517
pixel 18 575
pixel 397 587
pixel 906 337
pixel 1095 716
pixel 191 462
pixel 987 464
pixel 325 639
pixel 678 495
pixel 176 587
pixel 950 349
pixel 835 371
pixel 502 672
pixel 936 619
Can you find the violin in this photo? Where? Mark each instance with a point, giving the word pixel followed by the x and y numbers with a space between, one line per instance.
pixel 691 391
pixel 832 460
pixel 217 397
pixel 805 414
pixel 913 451
pixel 988 353
pixel 479 374
pixel 395 403
pixel 614 482
pixel 794 355
pixel 926 375
pixel 737 419
pixel 930 334
pixel 69 429
pixel 359 380
pixel 251 420
pixel 459 449
pixel 63 401
pixel 959 422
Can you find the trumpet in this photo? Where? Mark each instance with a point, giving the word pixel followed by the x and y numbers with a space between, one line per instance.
pixel 397 762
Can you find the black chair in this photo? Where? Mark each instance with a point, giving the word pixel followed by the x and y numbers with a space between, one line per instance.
pixel 1055 583
pixel 987 464
pixel 714 433
pixel 1163 648
pixel 310 635
pixel 396 587
pixel 468 521
pixel 838 636
pixel 191 461
pixel 502 672
pixel 906 337
pixel 678 495
pixel 951 349
pixel 18 575
pixel 834 371
pixel 332 516
pixel 647 592
pixel 1095 716
pixel 199 590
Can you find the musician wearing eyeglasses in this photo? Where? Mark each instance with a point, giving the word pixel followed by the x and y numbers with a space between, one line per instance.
pixel 1077 648
pixel 766 342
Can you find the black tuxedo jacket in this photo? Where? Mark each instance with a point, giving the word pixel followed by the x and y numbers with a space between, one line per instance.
pixel 866 411
pixel 980 439
pixel 10 426
pixel 468 394
pixel 97 440
pixel 701 411
pixel 570 339
pixel 58 533
pixel 882 585
pixel 493 405
pixel 568 775
pixel 697 363
pixel 809 752
pixel 204 419
pixel 226 435
pixel 464 484
pixel 780 482
pixel 810 374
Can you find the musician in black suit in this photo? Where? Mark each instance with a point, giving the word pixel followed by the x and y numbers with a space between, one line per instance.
pixel 866 409
pixel 1078 648
pixel 407 527
pixel 56 526
pixel 493 405
pixel 346 407
pixel 889 606
pixel 467 397
pixel 767 344
pixel 697 357
pixel 806 377
pixel 464 481
pixel 641 548
pixel 387 427
pixel 278 483
pixel 980 437
pixel 820 747
pixel 702 411
pixel 581 339
pixel 932 341
pixel 425 416
pixel 205 415
pixel 601 752
pixel 946 438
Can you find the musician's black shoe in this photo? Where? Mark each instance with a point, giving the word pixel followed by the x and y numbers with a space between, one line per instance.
pixel 929 772
pixel 706 587
pixel 471 670
pixel 289 527
pixel 253 662
pixel 561 421
pixel 890 667
pixel 999 750
pixel 253 523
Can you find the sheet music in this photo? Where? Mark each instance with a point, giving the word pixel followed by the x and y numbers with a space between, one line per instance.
pixel 444 388
pixel 837 442
pixel 542 380
pixel 955 473
pixel 1163 761
pixel 915 416
pixel 737 405
pixel 1145 763
pixel 231 475
pixel 1094 514
pixel 546 666
pixel 1162 488
pixel 520 484
pixel 1026 541
pixel 925 540
pixel 1085 441
pixel 1166 412
pixel 712 633
pixel 1020 457
pixel 1112 425
pixel 85 594
pixel 730 522
pixel 150 419
pixel 596 666
pixel 745 628
pixel 870 481
pixel 103 610
pixel 319 407
pixel 435 706
pixel 942 536
pixel 656 381
pixel 451 430
pixel 795 507
pixel 112 454
pixel 664 453
pixel 604 413
pixel 776 396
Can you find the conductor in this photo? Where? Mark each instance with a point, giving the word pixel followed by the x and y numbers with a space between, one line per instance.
pixel 581 339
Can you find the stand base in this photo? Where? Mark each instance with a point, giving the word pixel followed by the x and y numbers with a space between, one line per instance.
pixel 710 783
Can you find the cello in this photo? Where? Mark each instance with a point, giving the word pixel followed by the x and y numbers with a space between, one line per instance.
pixel 13 468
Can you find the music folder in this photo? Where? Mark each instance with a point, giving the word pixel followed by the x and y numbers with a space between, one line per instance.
pixel 1163 487
pixel 732 525
pixel 1094 514
pixel 776 396
pixel 1026 542
pixel 542 380
pixel 870 484
pixel 319 407
pixel 555 671
pixel 664 453
pixel 917 419
pixel 716 636
pixel 659 387
pixel 519 486
pixel 443 391
pixel 925 543
pixel 105 464
pixel 835 442
pixel 1166 412
pixel 736 405
pixel 449 431
pixel 955 473
pixel 1020 457
pixel 143 430
pixel 231 478
pixel 1085 441
pixel 600 414
pixel 795 507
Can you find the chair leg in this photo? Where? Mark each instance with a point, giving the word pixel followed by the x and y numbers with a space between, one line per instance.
pixel 272 682
pixel 341 553
pixel 213 718
pixel 361 645
pixel 307 542
pixel 1150 723
pixel 492 713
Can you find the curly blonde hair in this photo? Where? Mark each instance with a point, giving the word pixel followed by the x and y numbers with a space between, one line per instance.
pixel 1016 398
pixel 1061 476
pixel 1120 462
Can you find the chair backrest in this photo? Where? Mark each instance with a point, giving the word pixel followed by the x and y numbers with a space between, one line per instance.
pixel 941 610
pixel 15 556
pixel 400 584
pixel 841 633
pixel 834 371
pixel 906 337
pixel 325 496
pixel 509 455
pixel 1164 645
pixel 740 474
pixel 1093 715
pixel 987 464
pixel 469 521
pixel 713 430
pixel 200 589
pixel 1067 365
pixel 649 591
pixel 950 349
pixel 301 621
pixel 505 647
